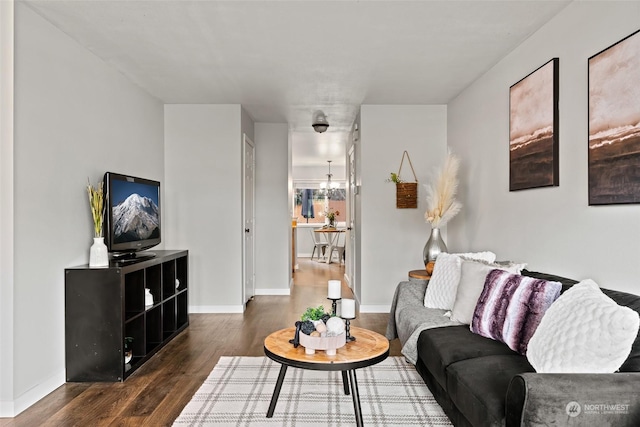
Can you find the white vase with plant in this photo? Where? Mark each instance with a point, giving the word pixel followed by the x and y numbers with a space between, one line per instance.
pixel 98 254
pixel 441 206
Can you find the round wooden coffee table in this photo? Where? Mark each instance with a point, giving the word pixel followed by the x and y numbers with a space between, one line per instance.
pixel 368 349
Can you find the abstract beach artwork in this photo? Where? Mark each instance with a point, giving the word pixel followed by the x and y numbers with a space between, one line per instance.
pixel 533 129
pixel 614 123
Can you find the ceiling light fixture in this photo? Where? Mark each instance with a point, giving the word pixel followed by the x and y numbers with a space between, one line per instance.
pixel 328 186
pixel 319 122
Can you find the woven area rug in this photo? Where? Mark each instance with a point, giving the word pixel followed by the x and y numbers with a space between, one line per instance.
pixel 239 389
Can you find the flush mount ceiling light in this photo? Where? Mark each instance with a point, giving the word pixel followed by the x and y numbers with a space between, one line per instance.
pixel 319 122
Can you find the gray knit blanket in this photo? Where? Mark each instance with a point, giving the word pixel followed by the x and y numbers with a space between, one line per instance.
pixel 409 317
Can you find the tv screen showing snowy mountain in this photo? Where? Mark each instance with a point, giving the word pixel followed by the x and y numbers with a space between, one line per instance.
pixel 135 211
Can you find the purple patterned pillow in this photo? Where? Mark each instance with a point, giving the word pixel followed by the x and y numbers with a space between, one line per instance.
pixel 511 307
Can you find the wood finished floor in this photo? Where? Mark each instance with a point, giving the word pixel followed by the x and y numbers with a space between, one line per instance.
pixel 156 393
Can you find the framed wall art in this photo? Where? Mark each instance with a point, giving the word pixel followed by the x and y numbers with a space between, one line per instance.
pixel 533 129
pixel 614 123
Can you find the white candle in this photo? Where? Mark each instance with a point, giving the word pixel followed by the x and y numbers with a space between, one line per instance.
pixel 348 309
pixel 335 289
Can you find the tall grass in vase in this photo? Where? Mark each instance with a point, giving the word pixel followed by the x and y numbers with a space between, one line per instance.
pixel 98 255
pixel 96 203
pixel 442 206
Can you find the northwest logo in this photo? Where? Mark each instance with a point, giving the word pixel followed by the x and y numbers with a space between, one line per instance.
pixel 573 409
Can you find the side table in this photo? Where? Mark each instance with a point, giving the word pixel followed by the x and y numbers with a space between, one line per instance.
pixel 419 275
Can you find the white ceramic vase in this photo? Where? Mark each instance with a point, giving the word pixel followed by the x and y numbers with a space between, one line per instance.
pixel 98 254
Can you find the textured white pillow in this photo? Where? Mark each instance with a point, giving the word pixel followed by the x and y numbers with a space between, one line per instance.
pixel 584 331
pixel 485 256
pixel 441 292
pixel 471 284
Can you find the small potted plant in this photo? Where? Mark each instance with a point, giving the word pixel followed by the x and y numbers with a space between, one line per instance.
pixel 406 192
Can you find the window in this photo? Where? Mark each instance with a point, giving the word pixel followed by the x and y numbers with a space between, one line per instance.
pixel 310 204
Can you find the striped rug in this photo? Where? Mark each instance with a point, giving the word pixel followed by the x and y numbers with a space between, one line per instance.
pixel 238 392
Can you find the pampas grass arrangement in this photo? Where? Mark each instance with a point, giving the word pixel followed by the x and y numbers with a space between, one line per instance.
pixel 96 203
pixel 441 194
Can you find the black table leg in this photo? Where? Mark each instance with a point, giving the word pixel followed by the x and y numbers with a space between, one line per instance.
pixel 276 391
pixel 345 382
pixel 356 397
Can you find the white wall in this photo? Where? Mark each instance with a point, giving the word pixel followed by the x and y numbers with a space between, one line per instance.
pixel 75 118
pixel 319 173
pixel 247 126
pixel 6 208
pixel 553 229
pixel 392 240
pixel 273 218
pixel 203 200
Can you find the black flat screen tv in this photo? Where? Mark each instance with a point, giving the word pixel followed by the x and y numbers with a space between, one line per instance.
pixel 132 215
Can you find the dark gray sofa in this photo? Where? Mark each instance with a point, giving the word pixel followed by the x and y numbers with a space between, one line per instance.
pixel 481 382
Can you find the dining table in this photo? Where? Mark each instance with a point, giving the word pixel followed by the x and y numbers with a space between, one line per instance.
pixel 331 234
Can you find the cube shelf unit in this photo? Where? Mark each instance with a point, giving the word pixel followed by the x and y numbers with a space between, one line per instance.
pixel 103 306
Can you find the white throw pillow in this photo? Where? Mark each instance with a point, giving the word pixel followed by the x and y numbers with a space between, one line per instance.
pixel 441 292
pixel 471 284
pixel 486 256
pixel 584 331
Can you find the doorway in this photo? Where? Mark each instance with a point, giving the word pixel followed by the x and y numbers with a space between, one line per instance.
pixel 320 187
pixel 351 246
pixel 248 213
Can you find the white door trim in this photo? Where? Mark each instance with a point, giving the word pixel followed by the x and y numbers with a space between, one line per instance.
pixel 248 269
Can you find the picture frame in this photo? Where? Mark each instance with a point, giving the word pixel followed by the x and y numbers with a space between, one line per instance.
pixel 533 129
pixel 614 123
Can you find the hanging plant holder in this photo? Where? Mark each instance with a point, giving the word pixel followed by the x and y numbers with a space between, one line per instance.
pixel 407 192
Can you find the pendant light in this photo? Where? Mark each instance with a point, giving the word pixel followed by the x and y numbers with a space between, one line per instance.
pixel 328 186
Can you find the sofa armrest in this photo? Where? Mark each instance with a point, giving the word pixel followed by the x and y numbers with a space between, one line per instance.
pixel 406 294
pixel 573 399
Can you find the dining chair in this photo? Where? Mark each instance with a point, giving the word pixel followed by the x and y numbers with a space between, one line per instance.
pixel 319 243
pixel 339 247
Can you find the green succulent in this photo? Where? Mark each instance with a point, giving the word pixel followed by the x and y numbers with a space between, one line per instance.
pixel 313 313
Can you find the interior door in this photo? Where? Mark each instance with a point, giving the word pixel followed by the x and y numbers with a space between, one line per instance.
pixel 350 239
pixel 248 202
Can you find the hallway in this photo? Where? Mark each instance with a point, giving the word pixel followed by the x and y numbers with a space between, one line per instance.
pixel 310 281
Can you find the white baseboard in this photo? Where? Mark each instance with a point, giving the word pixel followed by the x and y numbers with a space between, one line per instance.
pixel 12 408
pixel 200 309
pixel 375 308
pixel 273 291
pixel 6 409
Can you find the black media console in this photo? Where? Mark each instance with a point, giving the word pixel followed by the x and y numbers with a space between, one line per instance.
pixel 104 307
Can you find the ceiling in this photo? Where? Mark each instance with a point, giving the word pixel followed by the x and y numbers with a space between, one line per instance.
pixel 282 60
